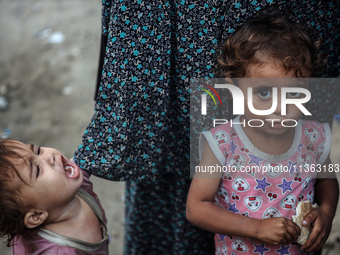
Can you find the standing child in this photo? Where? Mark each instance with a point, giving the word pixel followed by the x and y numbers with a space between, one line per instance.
pixel 47 205
pixel 251 211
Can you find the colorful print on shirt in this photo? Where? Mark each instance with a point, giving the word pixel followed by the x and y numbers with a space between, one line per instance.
pixel 262 185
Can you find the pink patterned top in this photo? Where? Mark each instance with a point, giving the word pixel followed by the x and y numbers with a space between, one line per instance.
pixel 260 185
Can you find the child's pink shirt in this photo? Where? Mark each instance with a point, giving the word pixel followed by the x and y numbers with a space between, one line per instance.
pixel 249 188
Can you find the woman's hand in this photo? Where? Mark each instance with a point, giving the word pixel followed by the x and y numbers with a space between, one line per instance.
pixel 278 231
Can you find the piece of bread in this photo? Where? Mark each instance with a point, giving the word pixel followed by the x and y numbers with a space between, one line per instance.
pixel 302 209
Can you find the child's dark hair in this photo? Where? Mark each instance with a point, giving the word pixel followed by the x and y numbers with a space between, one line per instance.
pixel 272 37
pixel 12 208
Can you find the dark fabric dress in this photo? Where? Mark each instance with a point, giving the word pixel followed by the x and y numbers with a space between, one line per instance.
pixel 140 130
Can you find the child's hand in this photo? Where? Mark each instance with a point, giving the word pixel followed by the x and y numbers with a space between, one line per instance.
pixel 322 224
pixel 278 231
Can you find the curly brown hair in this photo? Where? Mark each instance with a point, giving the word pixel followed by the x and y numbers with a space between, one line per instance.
pixel 12 208
pixel 270 37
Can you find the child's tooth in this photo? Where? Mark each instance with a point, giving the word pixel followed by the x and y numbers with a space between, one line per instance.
pixel 71 175
pixel 70 168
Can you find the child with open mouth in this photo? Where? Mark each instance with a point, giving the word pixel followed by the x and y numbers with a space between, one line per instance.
pixel 47 205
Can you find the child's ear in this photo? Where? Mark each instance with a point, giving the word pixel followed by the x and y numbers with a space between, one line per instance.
pixel 229 80
pixel 35 218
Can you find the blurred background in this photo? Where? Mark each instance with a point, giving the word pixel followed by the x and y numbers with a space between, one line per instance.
pixel 48 66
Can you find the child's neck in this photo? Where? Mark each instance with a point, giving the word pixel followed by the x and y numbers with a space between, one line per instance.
pixel 76 220
pixel 271 144
pixel 68 212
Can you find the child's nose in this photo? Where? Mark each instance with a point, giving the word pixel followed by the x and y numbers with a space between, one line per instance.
pixel 49 157
pixel 278 107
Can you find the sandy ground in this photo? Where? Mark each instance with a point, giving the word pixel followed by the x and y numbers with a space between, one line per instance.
pixel 48 62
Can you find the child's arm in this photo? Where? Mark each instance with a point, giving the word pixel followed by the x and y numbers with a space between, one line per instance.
pixel 202 212
pixel 327 195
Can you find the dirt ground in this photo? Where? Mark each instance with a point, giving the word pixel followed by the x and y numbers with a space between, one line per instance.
pixel 48 66
pixel 48 63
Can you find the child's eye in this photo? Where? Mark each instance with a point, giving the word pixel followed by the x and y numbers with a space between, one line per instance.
pixel 264 93
pixel 294 94
pixel 38 171
pixel 39 150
